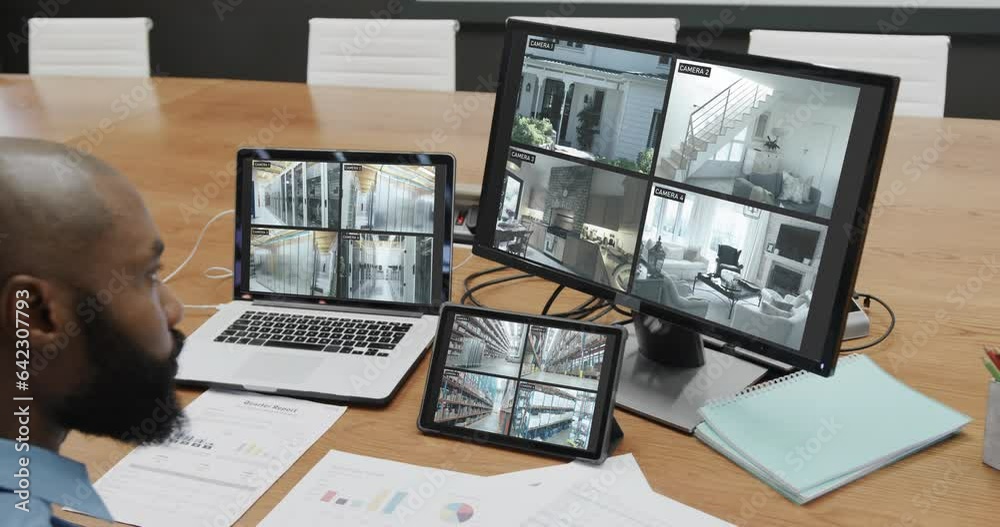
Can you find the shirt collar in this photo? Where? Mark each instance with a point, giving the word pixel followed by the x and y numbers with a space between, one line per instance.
pixel 53 478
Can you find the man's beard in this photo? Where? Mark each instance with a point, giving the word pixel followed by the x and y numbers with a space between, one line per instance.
pixel 130 395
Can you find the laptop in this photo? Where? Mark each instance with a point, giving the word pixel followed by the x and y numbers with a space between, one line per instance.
pixel 343 260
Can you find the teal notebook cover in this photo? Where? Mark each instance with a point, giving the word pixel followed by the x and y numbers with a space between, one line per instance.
pixel 710 438
pixel 807 433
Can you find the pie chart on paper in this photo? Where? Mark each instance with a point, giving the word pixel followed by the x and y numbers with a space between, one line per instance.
pixel 457 513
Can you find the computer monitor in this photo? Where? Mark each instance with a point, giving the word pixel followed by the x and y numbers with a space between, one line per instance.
pixel 724 194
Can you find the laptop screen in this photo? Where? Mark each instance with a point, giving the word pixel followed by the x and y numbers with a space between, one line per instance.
pixel 338 227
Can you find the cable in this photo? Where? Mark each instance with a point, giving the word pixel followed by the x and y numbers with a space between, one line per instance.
pixel 197 243
pixel 601 313
pixel 555 294
pixel 224 272
pixel 469 292
pixel 465 261
pixel 469 289
pixel 581 310
pixel 892 322
pixel 621 311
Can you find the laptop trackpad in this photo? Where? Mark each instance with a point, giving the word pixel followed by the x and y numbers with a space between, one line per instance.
pixel 275 368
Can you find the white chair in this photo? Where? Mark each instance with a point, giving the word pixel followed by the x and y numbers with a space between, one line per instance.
pixel 920 62
pixel 377 53
pixel 89 47
pixel 663 29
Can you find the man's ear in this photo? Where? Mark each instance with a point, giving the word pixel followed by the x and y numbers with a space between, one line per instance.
pixel 36 305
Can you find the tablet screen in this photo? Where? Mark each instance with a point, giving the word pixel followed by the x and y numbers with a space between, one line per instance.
pixel 523 379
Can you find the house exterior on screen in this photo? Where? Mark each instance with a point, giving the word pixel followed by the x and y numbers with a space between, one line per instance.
pixel 624 90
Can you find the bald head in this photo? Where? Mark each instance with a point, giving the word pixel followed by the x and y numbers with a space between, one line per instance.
pixel 81 262
pixel 57 202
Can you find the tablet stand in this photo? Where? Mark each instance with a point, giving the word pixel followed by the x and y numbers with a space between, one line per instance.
pixel 616 436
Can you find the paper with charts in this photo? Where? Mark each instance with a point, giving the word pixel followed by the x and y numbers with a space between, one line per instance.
pixel 236 445
pixel 347 489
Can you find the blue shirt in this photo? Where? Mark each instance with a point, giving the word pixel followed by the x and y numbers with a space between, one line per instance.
pixel 52 479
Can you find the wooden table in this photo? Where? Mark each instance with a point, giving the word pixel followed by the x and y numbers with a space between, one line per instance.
pixel 932 252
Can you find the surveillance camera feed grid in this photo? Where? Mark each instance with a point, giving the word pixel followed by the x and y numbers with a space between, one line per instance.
pixel 739 199
pixel 591 102
pixel 334 211
pixel 522 380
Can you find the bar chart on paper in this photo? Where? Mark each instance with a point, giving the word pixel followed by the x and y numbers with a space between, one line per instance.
pixel 345 489
pixel 380 503
pixel 234 447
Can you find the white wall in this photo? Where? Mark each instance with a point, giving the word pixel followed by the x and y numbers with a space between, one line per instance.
pixel 686 94
pixel 621 60
pixel 641 100
pixel 799 119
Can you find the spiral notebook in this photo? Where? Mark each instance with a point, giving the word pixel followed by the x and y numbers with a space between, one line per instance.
pixel 806 435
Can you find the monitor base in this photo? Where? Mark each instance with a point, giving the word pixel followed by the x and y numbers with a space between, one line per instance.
pixel 665 381
pixel 668 344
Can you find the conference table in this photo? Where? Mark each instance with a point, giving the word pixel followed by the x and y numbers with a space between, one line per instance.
pixel 931 252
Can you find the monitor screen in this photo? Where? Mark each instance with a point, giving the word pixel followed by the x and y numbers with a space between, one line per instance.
pixel 342 230
pixel 724 191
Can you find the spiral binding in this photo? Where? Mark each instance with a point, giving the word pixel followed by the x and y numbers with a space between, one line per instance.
pixel 765 387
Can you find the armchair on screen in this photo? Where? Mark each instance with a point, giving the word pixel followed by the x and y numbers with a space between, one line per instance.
pixel 728 259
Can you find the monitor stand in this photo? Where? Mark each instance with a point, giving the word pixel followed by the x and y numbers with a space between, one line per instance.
pixel 668 373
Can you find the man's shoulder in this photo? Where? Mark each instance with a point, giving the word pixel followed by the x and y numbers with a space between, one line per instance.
pixel 15 512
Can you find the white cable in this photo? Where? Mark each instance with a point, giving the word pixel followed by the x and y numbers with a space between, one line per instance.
pixel 465 261
pixel 197 243
pixel 224 272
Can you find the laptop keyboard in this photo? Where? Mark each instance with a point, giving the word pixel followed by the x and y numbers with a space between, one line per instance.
pixel 315 333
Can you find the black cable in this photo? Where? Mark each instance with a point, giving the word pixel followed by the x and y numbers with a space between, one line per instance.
pixel 477 274
pixel 469 293
pixel 581 310
pixel 555 294
pixel 468 280
pixel 601 313
pixel 892 322
pixel 621 311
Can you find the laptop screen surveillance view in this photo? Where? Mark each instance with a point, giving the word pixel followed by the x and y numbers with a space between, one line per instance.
pixel 343 230
pixel 700 187
pixel 526 381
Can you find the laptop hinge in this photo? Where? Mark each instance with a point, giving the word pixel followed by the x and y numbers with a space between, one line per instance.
pixel 347 309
